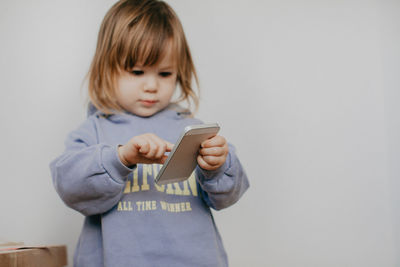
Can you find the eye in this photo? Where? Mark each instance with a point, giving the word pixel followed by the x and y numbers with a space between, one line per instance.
pixel 137 72
pixel 165 74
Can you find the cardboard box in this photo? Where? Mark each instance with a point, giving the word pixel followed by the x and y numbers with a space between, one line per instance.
pixel 33 256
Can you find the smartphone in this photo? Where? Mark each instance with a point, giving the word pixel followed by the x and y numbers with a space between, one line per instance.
pixel 182 160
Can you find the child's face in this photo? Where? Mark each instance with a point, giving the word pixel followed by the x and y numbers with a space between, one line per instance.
pixel 146 90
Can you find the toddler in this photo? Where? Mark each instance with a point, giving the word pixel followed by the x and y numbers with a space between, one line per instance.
pixel 108 168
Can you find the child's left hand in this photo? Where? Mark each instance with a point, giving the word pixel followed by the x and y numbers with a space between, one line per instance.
pixel 213 153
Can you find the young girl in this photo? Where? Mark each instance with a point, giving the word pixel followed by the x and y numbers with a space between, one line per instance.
pixel 108 168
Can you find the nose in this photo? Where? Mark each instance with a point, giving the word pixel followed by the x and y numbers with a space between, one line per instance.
pixel 151 84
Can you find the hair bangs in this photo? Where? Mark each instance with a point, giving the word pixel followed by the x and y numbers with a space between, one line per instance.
pixel 150 39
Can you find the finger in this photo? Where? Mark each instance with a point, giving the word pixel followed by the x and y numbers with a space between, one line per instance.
pixel 170 146
pixel 152 149
pixel 212 151
pixel 214 141
pixel 142 145
pixel 212 160
pixel 162 145
pixel 162 148
pixel 163 159
pixel 204 165
pixel 158 139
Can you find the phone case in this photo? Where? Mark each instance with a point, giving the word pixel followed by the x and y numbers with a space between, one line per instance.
pixel 182 160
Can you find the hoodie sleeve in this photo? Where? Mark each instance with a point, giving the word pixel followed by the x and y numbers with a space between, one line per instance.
pixel 223 187
pixel 89 177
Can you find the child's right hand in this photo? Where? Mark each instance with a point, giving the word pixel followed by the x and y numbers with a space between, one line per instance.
pixel 147 148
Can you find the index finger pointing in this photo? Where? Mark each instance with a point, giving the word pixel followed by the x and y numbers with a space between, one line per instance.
pixel 170 146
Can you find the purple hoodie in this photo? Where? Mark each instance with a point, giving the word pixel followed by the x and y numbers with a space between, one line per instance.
pixel 129 220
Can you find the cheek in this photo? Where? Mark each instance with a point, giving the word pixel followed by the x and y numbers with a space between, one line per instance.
pixel 170 86
pixel 127 87
pixel 125 95
pixel 122 88
pixel 121 94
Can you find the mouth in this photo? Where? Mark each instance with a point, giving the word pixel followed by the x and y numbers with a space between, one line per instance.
pixel 148 103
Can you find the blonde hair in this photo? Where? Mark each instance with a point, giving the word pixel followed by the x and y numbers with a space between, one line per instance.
pixel 135 31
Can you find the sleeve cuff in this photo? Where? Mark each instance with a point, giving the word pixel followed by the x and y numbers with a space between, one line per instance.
pixel 113 165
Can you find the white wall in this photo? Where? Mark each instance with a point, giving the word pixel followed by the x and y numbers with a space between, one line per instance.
pixel 307 91
pixel 390 38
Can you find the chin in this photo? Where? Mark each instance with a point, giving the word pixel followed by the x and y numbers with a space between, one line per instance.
pixel 146 113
